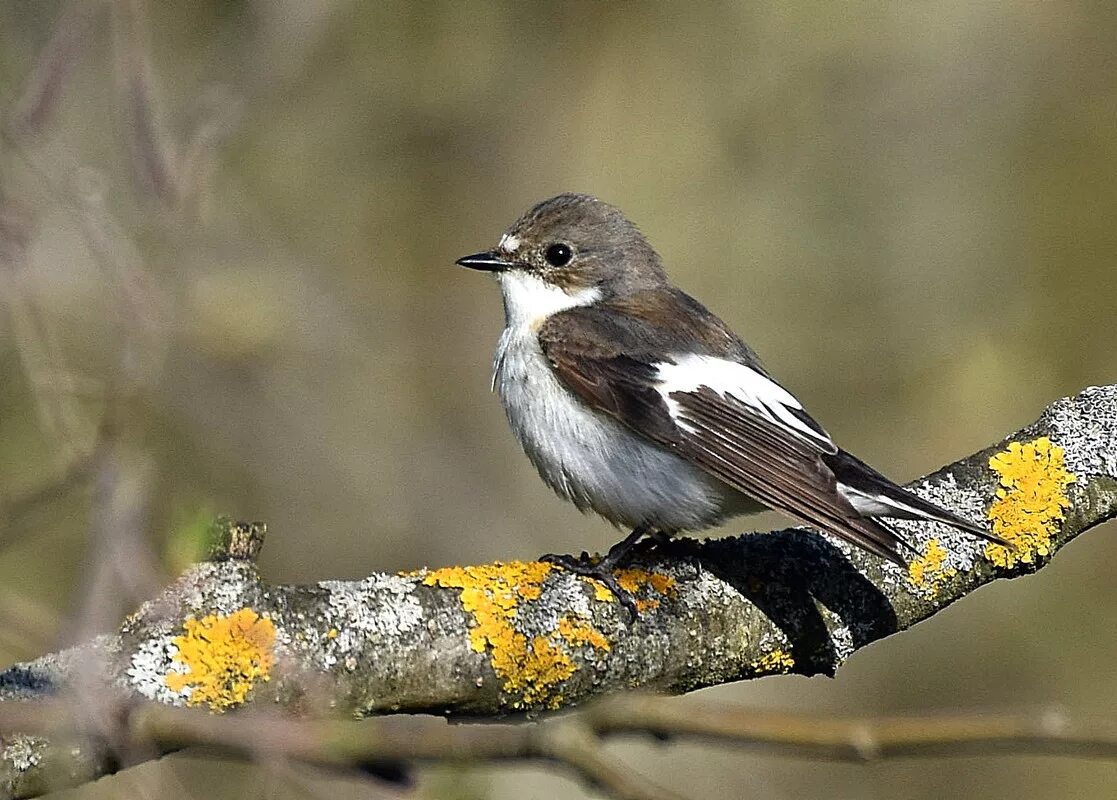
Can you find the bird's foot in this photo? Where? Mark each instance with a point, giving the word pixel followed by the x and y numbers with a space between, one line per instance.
pixel 600 570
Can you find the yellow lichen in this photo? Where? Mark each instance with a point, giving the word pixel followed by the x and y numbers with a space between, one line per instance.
pixel 601 592
pixel 928 570
pixel 530 669
pixel 1031 500
pixel 224 656
pixel 578 631
pixel 775 662
pixel 633 581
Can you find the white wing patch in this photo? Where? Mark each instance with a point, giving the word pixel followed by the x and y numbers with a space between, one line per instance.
pixel 879 505
pixel 870 505
pixel 728 378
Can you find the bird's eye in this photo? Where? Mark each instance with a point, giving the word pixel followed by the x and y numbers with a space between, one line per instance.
pixel 558 255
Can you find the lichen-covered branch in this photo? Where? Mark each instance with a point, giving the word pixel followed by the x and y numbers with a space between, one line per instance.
pixel 517 637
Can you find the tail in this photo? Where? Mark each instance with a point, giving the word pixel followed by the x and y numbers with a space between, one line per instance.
pixel 873 495
pixel 872 535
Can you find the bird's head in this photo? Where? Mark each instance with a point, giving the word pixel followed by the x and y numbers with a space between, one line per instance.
pixel 571 250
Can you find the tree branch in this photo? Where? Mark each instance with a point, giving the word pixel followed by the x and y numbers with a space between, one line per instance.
pixel 520 638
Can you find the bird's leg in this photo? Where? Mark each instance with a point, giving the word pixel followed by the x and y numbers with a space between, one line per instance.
pixel 661 538
pixel 619 552
pixel 602 570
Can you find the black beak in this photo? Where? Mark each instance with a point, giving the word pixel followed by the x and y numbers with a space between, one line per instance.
pixel 489 261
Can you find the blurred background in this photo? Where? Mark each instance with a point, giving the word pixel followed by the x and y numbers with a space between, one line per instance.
pixel 227 234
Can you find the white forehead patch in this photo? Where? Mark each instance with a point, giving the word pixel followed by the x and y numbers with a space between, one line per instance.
pixel 509 244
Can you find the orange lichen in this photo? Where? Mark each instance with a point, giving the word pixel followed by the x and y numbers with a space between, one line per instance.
pixel 224 657
pixel 529 668
pixel 928 570
pixel 776 662
pixel 1031 500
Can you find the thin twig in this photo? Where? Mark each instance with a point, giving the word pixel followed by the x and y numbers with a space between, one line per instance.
pixel 575 746
pixel 1050 732
pixel 575 741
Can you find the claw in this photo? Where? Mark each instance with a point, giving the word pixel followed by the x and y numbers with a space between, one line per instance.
pixel 587 567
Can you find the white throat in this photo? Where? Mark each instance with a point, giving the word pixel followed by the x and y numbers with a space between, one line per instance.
pixel 529 301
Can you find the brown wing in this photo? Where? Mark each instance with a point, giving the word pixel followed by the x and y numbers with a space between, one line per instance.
pixel 742 444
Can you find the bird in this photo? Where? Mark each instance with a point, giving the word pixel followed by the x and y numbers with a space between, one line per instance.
pixel 634 401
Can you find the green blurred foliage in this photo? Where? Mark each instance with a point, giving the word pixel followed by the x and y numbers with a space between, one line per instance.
pixel 906 208
pixel 188 537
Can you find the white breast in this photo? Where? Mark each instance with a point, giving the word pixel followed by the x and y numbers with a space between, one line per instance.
pixel 593 460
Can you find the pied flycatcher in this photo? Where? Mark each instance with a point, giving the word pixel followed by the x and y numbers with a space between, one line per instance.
pixel 634 401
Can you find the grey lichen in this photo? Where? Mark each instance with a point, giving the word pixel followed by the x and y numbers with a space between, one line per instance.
pixel 152 661
pixel 1083 426
pixel 366 614
pixel 23 752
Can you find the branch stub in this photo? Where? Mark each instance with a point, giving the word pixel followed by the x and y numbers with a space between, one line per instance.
pixel 231 540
